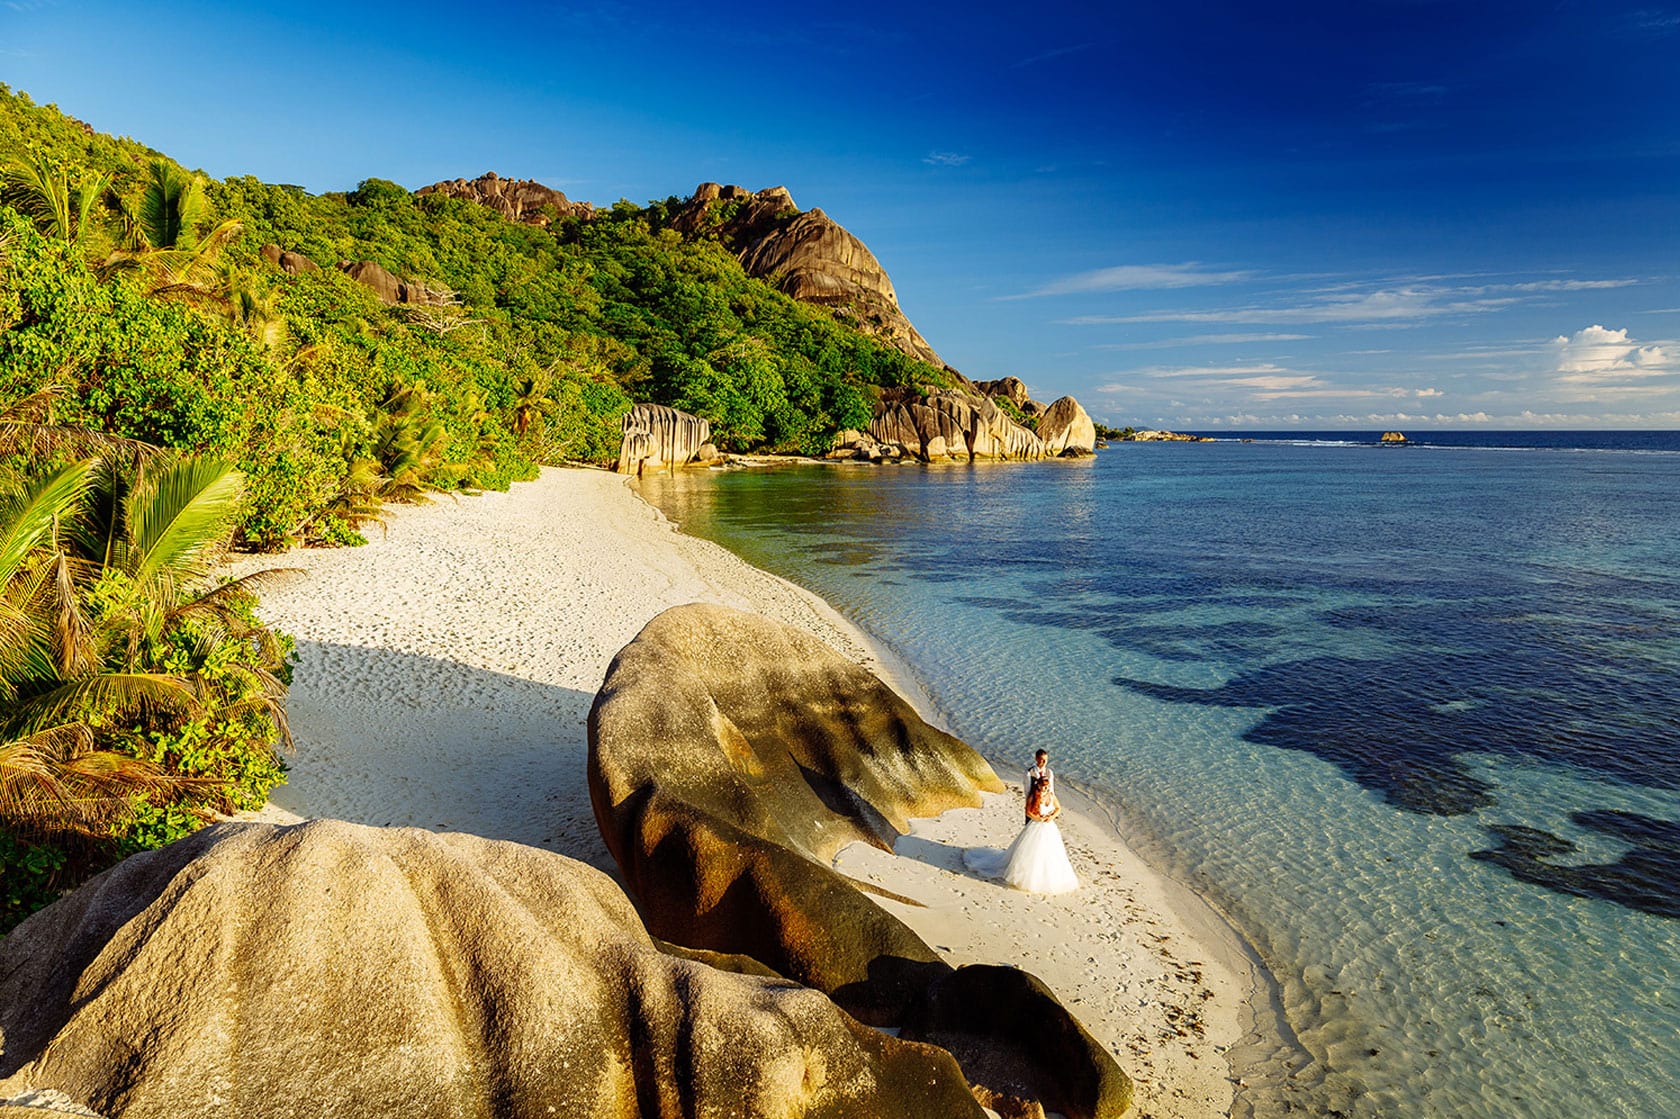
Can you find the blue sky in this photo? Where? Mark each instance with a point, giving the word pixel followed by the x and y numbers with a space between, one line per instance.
pixel 1194 214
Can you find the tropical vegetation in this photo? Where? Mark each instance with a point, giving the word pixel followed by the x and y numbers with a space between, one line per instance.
pixel 138 698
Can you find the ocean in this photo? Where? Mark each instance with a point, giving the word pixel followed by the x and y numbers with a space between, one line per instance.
pixel 1406 715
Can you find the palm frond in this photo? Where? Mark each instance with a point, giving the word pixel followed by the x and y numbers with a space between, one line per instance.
pixel 16 628
pixel 44 193
pixel 40 192
pixel 218 608
pixel 27 428
pixel 89 191
pixel 270 702
pixel 27 517
pixel 55 781
pixel 104 696
pixel 72 635
pixel 175 514
pixel 171 206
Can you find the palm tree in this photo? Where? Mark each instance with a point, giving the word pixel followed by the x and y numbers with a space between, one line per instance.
pixel 53 775
pixel 409 443
pixel 161 236
pixel 99 580
pixel 531 403
pixel 27 427
pixel 62 210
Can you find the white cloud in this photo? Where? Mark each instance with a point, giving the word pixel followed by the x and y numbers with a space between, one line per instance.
pixel 1274 384
pixel 1267 382
pixel 1559 285
pixel 1137 277
pixel 1217 370
pixel 1605 358
pixel 1395 305
pixel 1203 340
pixel 946 159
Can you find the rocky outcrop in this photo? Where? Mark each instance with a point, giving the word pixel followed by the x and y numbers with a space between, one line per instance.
pixel 329 968
pixel 979 1013
pixel 1012 389
pixel 1066 429
pixel 951 425
pixel 520 200
pixel 1152 436
pixel 391 290
pixel 287 261
pixel 805 254
pixel 730 758
pixel 967 423
pixel 1393 437
pixel 656 436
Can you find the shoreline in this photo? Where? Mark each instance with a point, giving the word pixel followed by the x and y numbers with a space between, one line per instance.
pixel 440 686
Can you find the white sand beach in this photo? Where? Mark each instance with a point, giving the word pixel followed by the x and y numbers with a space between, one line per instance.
pixel 446 669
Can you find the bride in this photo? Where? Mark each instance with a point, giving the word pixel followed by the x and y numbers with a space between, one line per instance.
pixel 1037 861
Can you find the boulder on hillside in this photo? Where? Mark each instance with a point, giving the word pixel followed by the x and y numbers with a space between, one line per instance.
pixel 730 758
pixel 656 436
pixel 328 968
pixel 1011 388
pixel 521 200
pixel 287 261
pixel 391 290
pixel 1066 429
pixel 375 278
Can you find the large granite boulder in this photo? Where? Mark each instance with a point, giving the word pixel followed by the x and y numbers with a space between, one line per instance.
pixel 287 261
pixel 730 758
pixel 656 436
pixel 955 424
pixel 1065 428
pixel 390 289
pixel 521 200
pixel 334 969
pixel 806 254
pixel 1006 1027
pixel 1012 389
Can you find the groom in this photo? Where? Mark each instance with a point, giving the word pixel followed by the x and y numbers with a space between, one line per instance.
pixel 1042 782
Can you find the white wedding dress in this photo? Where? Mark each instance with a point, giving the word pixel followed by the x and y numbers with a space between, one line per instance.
pixel 1036 862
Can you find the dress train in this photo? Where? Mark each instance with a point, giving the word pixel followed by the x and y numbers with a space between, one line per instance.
pixel 1036 862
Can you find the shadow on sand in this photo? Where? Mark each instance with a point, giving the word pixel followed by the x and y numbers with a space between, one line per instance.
pixel 400 739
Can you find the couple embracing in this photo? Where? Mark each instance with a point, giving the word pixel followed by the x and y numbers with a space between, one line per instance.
pixel 1037 861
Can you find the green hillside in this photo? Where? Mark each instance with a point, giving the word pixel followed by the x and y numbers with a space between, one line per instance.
pixel 139 288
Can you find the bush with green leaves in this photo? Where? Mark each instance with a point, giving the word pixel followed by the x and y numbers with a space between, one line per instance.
pixel 138 698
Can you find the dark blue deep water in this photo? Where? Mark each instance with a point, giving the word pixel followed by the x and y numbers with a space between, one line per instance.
pixel 1408 715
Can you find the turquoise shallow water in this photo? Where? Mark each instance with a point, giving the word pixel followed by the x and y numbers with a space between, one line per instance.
pixel 1407 716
